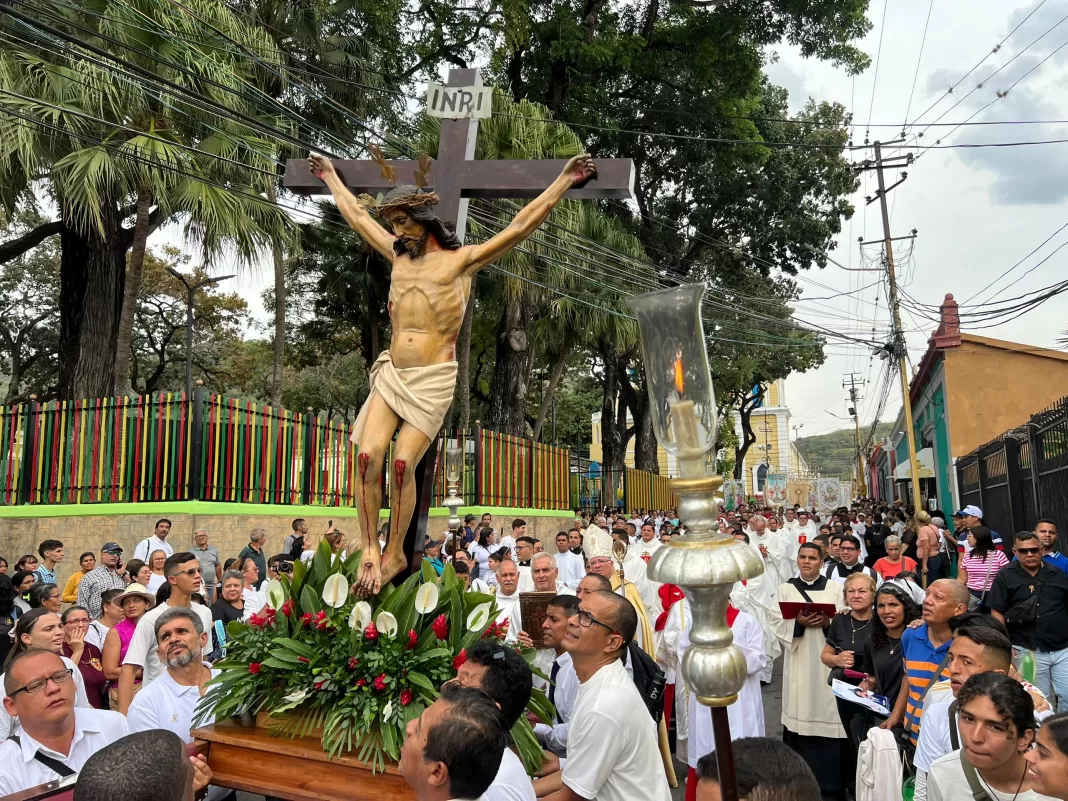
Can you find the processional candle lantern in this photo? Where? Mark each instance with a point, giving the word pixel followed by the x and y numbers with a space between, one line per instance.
pixel 704 563
pixel 454 459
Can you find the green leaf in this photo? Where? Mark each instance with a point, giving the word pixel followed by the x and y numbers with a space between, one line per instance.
pixel 275 662
pixel 321 564
pixel 427 572
pixel 351 566
pixel 389 739
pixel 415 677
pixel 296 646
pixel 448 578
pixel 309 600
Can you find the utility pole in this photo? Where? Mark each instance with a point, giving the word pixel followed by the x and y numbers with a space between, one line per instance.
pixel 854 398
pixel 191 291
pixel 897 348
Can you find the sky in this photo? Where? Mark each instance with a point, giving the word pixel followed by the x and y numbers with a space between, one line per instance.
pixel 977 211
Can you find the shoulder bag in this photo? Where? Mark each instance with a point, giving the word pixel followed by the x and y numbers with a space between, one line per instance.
pixel 975 604
pixel 54 765
pixel 979 792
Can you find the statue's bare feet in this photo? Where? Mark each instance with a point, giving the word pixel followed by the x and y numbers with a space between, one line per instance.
pixel 370 580
pixel 392 564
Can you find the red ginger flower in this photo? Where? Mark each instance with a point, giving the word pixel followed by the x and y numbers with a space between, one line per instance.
pixel 406 697
pixel 321 621
pixel 440 627
pixel 413 639
pixel 287 608
pixel 371 632
pixel 353 662
pixel 306 618
pixel 254 667
pixel 380 682
pixel 361 682
pixel 459 659
pixel 303 659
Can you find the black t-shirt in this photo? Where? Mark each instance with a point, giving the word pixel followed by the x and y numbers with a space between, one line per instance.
pixel 222 610
pixel 889 668
pixel 848 634
pixel 876 537
pixel 1014 586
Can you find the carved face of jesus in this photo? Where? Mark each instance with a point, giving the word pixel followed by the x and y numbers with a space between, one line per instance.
pixel 412 234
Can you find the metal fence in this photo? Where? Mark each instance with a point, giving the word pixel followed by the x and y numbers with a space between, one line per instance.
pixel 167 447
pixel 1022 475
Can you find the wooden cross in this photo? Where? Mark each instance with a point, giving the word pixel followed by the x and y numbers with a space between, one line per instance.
pixel 456 176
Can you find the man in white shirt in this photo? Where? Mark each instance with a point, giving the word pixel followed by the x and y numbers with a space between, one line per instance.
pixel 157 542
pixel 570 565
pixel 56 737
pixel 171 700
pixel 508 601
pixel 545 574
pixel 117 771
pixel 436 757
pixel 183 574
pixel 612 747
pixel 505 677
pixel 563 682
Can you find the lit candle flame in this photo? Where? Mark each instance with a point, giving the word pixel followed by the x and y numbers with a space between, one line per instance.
pixel 678 371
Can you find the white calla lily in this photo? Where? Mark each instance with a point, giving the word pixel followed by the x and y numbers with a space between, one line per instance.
pixel 426 598
pixel 335 591
pixel 275 594
pixel 360 615
pixel 479 617
pixel 386 624
pixel 387 710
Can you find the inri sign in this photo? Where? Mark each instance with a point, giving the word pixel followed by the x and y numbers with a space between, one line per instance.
pixel 459 102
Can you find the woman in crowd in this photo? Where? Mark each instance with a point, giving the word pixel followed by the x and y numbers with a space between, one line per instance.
pixel 27 563
pixel 87 561
pixel 40 628
pixel 480 553
pixel 156 560
pixel 253 599
pixel 8 615
pixel 139 572
pixel 85 655
pixel 3 565
pixel 46 596
pixel 893 563
pixel 846 649
pixel 1047 762
pixel 230 606
pixel 981 564
pixel 21 583
pixel 135 601
pixel 928 547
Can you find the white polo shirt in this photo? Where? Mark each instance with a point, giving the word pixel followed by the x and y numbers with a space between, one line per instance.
pixel 142 651
pixel 145 548
pixel 554 737
pixel 166 704
pixel 511 782
pixel 93 729
pixel 10 725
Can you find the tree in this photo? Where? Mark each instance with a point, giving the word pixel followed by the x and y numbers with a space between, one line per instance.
pixel 110 143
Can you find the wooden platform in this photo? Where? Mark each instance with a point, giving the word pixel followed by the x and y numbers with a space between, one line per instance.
pixel 245 757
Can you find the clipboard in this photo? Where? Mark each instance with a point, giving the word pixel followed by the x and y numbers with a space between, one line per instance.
pixel 790 609
pixel 533 609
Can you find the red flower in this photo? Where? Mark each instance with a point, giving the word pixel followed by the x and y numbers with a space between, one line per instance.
pixel 440 627
pixel 353 662
pixel 380 682
pixel 321 620
pixel 303 659
pixel 371 632
pixel 306 618
pixel 256 621
pixel 413 639
pixel 406 697
pixel 361 682
pixel 287 608
pixel 459 659
pixel 254 667
pixel 319 684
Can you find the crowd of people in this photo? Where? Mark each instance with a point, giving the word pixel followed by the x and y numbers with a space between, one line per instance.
pixel 902 640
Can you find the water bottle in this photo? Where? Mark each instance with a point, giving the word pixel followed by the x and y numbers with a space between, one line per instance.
pixel 1027 666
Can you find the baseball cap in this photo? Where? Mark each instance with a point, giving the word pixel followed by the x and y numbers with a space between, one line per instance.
pixel 111 546
pixel 969 511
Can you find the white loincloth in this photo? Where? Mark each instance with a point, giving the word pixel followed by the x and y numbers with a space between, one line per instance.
pixel 419 395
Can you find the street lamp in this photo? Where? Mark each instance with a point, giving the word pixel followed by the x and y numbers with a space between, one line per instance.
pixel 190 292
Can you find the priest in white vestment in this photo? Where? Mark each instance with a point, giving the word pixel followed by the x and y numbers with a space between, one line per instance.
pixel 766 613
pixel 570 565
pixel 647 543
pixel 811 725
pixel 508 599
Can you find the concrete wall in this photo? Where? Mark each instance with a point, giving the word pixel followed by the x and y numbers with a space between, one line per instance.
pixel 79 530
pixel 992 389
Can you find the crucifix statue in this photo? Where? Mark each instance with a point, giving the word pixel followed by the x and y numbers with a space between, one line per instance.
pixel 413 382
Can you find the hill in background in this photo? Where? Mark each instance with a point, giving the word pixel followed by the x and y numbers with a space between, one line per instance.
pixel 834 453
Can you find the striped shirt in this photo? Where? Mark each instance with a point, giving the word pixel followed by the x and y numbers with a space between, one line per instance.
pixel 921 661
pixel 981 572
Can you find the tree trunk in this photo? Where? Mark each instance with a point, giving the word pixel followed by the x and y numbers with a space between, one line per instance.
pixel 279 311
pixel 92 271
pixel 134 271
pixel 613 428
pixel 550 389
pixel 511 372
pixel 745 413
pixel 646 455
pixel 463 363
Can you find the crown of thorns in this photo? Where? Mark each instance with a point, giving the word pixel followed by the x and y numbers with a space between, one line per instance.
pixel 403 196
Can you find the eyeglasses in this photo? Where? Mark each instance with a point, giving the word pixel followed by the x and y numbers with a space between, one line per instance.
pixel 35 686
pixel 1028 550
pixel 193 571
pixel 114 553
pixel 72 620
pixel 586 620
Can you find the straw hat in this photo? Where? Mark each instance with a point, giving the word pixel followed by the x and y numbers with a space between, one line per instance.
pixel 138 589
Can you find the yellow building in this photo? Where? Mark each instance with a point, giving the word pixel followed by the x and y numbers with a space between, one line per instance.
pixel 667 462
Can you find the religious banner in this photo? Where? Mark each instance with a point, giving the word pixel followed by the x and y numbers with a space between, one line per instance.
pixel 733 494
pixel 828 494
pixel 801 492
pixel 775 490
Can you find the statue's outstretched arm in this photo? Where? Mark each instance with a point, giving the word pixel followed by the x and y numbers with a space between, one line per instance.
pixel 354 212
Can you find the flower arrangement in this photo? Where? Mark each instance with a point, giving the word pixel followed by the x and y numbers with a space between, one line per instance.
pixel 318 659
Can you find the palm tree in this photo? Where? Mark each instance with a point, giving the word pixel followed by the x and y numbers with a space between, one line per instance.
pixel 113 142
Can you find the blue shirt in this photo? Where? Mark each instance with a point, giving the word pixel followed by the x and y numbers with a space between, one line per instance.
pixel 44 575
pixel 921 661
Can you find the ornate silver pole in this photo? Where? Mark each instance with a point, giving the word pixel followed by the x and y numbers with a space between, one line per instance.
pixel 703 563
pixel 453 460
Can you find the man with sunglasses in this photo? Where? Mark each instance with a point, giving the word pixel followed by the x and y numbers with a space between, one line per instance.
pixel 56 738
pixel 109 574
pixel 1030 597
pixel 184 577
pixel 612 748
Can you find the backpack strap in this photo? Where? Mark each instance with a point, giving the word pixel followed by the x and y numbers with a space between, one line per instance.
pixel 979 792
pixel 954 736
pixel 54 765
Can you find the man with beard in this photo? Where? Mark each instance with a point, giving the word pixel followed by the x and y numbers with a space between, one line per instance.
pixel 170 701
pixel 413 382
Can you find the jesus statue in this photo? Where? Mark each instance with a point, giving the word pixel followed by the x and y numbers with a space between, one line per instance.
pixel 413 382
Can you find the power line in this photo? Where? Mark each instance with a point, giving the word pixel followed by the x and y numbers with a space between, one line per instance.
pixel 919 59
